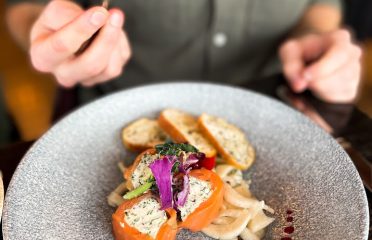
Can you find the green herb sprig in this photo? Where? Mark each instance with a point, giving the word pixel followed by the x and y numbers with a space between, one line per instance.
pixel 175 149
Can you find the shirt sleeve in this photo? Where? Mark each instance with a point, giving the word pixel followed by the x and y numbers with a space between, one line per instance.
pixel 336 3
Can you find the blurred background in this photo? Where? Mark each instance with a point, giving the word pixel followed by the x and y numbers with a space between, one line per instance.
pixel 27 97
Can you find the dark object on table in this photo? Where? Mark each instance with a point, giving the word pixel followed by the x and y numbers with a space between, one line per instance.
pixel 66 101
pixel 11 155
pixel 8 131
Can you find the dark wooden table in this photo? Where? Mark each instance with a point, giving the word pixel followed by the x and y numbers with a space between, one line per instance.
pixel 351 127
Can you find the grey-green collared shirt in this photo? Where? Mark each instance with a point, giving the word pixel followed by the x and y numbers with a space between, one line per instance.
pixel 226 41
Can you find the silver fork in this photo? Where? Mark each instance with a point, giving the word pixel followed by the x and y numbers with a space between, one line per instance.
pixel 105 3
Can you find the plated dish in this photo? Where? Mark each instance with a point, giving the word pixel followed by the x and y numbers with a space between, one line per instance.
pixel 172 186
pixel 60 189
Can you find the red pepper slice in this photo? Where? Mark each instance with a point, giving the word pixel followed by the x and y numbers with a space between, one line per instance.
pixel 208 162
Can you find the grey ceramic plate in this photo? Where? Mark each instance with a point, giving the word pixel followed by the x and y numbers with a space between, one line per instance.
pixel 1 193
pixel 59 190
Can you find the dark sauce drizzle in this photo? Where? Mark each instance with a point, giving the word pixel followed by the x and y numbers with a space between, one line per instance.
pixel 290 228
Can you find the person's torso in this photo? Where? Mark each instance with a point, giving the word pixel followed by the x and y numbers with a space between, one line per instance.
pixel 230 41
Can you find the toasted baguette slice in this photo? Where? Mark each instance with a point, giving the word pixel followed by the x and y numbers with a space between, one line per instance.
pixel 229 140
pixel 142 134
pixel 182 127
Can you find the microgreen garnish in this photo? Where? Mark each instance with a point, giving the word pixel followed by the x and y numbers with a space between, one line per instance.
pixel 175 149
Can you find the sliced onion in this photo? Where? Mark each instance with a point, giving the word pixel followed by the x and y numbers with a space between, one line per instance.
pixel 269 209
pixel 234 213
pixel 122 167
pixel 261 233
pixel 246 234
pixel 223 170
pixel 260 221
pixel 256 208
pixel 114 199
pixel 228 231
pixel 223 220
pixel 223 207
pixel 233 197
pixel 243 189
pixel 230 206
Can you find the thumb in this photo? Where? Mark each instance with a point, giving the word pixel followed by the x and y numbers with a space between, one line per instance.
pixel 291 55
pixel 295 54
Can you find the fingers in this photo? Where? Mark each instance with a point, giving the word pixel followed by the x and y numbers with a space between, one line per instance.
pixel 339 87
pixel 47 23
pixel 327 64
pixel 125 48
pixel 61 30
pixel 294 54
pixel 114 69
pixel 292 58
pixel 47 53
pixel 65 10
pixel 95 59
pixel 336 75
pixel 339 52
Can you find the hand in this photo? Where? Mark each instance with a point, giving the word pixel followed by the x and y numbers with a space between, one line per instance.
pixel 327 64
pixel 60 31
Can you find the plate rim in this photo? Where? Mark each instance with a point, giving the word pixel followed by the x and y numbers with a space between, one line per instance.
pixel 364 221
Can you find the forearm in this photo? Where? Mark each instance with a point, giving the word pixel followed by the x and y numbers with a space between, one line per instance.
pixel 20 19
pixel 319 18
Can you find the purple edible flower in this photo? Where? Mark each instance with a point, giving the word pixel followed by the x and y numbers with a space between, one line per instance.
pixel 194 159
pixel 199 156
pixel 182 196
pixel 190 162
pixel 162 171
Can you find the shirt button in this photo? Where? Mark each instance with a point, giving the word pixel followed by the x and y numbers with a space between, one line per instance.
pixel 219 39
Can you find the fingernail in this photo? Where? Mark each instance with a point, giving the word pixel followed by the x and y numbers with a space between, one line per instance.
pixel 98 18
pixel 116 20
